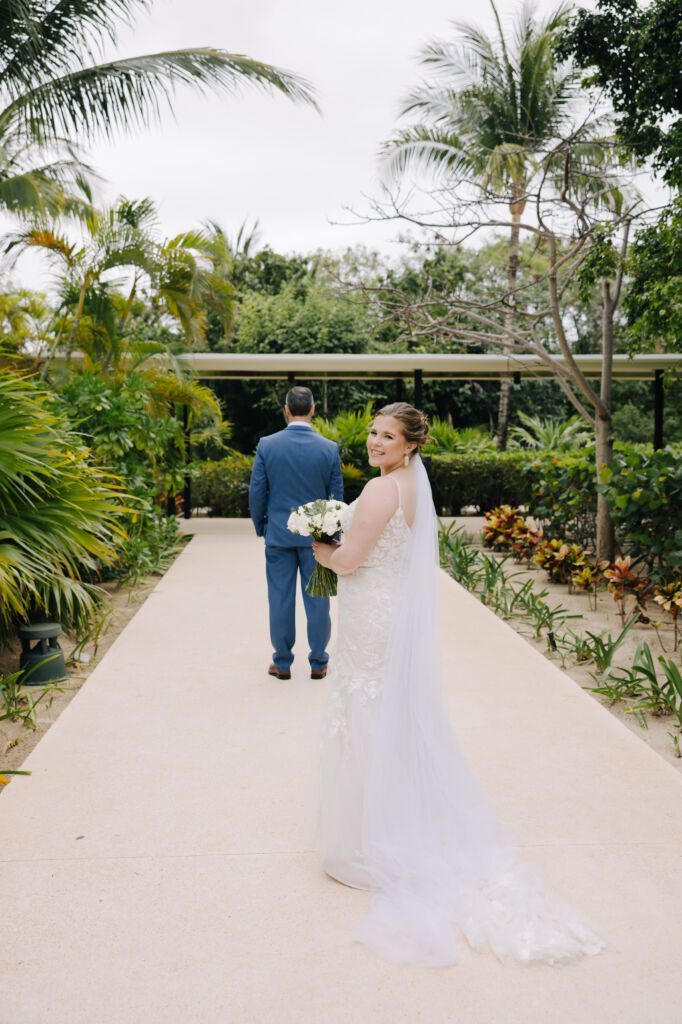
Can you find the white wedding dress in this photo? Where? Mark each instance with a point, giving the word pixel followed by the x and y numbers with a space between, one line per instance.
pixel 398 811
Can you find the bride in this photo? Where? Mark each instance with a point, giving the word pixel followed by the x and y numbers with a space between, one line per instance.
pixel 400 813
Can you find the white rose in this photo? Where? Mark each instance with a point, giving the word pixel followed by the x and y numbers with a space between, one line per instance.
pixel 330 524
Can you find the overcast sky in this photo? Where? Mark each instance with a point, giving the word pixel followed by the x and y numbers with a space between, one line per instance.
pixel 251 156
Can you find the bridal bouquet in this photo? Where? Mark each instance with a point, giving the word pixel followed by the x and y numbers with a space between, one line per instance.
pixel 320 520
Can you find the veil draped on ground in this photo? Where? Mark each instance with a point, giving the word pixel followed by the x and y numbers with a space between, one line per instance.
pixel 439 861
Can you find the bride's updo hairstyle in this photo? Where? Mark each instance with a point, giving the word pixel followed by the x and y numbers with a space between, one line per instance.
pixel 413 422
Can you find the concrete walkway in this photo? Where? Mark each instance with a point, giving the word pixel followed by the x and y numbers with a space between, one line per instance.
pixel 155 868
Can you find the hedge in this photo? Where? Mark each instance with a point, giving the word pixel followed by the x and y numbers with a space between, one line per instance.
pixel 480 480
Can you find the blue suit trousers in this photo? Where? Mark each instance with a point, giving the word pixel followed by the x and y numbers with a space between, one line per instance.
pixel 283 566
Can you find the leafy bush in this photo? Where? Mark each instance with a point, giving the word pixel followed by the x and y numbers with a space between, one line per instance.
pixel 483 480
pixel 448 440
pixel 349 430
pixel 550 434
pixel 222 486
pixel 563 494
pixel 644 491
pixel 60 515
pixel 129 424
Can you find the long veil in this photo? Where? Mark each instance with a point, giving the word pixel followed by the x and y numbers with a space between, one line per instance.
pixel 438 859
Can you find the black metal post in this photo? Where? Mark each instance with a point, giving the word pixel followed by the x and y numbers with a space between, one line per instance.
pixel 658 409
pixel 187 489
pixel 418 389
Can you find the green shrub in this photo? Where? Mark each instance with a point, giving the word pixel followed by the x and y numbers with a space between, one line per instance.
pixel 644 491
pixel 129 424
pixel 349 430
pixel 483 480
pixel 60 515
pixel 563 494
pixel 448 440
pixel 222 485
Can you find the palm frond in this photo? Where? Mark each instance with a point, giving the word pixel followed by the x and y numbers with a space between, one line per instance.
pixel 122 94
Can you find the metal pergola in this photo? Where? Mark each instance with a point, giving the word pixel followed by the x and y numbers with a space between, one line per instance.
pixel 420 366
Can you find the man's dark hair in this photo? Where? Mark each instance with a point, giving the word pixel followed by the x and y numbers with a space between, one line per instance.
pixel 300 401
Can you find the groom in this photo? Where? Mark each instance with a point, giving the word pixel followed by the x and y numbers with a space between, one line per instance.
pixel 291 468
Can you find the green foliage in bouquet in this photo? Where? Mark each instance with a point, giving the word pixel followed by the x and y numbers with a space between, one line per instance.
pixel 61 515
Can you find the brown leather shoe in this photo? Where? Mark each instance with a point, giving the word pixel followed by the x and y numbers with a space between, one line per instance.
pixel 277 673
pixel 318 673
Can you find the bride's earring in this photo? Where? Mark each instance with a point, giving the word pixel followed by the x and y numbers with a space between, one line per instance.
pixel 406 459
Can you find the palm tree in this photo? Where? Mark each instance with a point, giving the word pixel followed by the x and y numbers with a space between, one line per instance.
pixel 60 515
pixel 179 273
pixel 489 112
pixel 51 94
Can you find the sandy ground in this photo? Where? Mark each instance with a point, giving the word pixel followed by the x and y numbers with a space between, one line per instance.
pixel 16 740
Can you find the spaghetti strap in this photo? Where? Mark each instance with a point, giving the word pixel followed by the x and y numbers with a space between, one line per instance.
pixel 400 496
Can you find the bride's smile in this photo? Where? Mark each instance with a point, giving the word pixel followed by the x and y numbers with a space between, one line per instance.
pixel 386 444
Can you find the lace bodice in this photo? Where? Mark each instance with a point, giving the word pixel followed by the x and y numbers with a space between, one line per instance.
pixel 388 550
pixel 366 599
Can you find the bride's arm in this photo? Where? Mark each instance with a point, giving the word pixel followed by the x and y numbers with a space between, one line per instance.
pixel 377 503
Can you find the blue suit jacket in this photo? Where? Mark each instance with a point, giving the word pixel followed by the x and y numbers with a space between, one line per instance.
pixel 291 467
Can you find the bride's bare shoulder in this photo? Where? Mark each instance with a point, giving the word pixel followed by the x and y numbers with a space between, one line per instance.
pixel 379 494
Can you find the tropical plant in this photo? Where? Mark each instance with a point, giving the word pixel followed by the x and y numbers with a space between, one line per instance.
pixel 669 596
pixel 60 515
pixel 488 114
pixel 644 488
pixel 587 578
pixel 51 95
pixel 222 485
pixel 604 647
pixel 25 319
pixel 499 526
pixel 444 439
pixel 350 431
pixel 559 559
pixel 179 275
pixel 623 583
pixel 548 434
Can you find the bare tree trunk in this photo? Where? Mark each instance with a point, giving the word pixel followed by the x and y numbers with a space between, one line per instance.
pixel 606 541
pixel 517 207
pixel 503 414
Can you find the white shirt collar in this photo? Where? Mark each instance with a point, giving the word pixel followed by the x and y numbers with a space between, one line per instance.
pixel 300 423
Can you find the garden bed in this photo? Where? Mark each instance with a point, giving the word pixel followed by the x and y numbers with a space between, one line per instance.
pixel 601 621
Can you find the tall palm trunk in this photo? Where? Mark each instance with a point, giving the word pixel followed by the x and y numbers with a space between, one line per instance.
pixel 77 316
pixel 516 207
